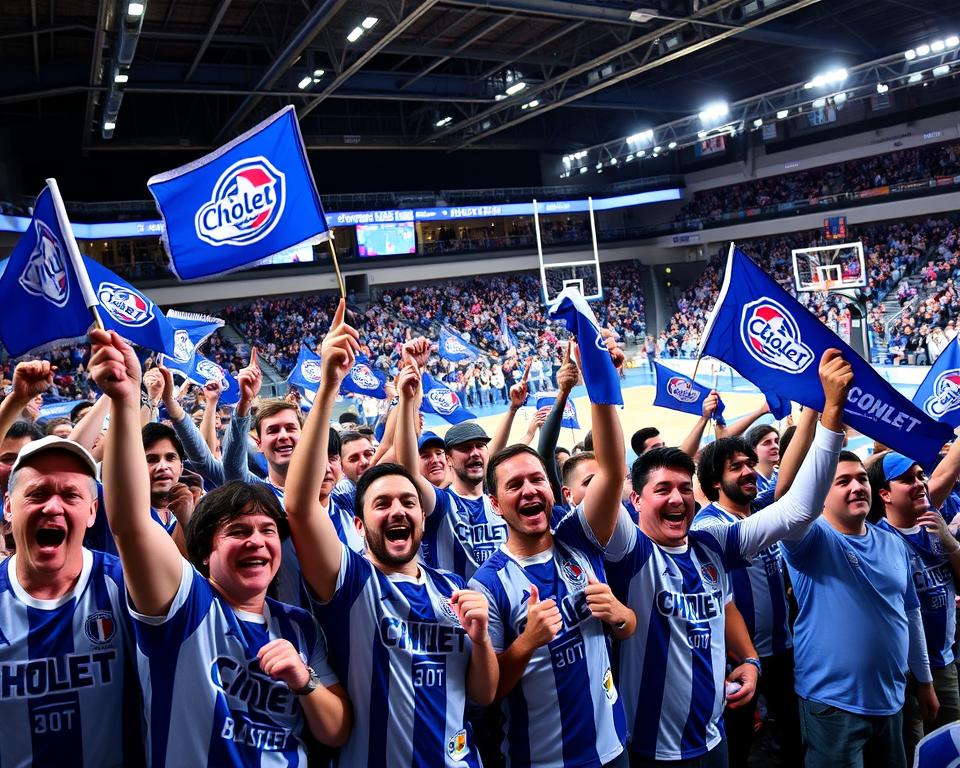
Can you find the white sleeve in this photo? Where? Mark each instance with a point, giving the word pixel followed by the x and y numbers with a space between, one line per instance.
pixel 799 507
pixel 917 654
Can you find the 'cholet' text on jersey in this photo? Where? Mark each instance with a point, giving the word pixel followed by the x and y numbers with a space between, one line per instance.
pixel 68 691
pixel 565 710
pixel 399 647
pixel 204 692
pixel 461 533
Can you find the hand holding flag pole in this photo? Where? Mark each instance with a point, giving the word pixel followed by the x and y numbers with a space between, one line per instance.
pixel 73 251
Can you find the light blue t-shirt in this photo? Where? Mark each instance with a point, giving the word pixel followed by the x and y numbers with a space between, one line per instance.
pixel 851 638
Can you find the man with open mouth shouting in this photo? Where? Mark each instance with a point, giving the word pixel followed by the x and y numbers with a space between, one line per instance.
pixel 410 641
pixel 229 675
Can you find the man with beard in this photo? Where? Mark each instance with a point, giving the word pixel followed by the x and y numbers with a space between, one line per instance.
pixel 728 477
pixel 672 667
pixel 858 630
pixel 410 641
pixel 908 505
pixel 765 441
pixel 550 609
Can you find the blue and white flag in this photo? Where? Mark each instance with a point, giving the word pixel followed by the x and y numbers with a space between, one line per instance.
pixel 681 393
pixel 454 348
pixel 780 407
pixel 43 296
pixel 60 409
pixel 361 379
pixel 305 375
pixel 509 337
pixel 939 392
pixel 242 203
pixel 190 330
pixel 599 374
pixel 774 342
pixel 201 370
pixel 443 401
pixel 570 420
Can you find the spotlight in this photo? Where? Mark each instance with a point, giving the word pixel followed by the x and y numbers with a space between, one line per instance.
pixel 355 34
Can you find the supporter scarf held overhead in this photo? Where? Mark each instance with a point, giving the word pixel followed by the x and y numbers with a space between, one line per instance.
pixel 679 393
pixel 774 342
pixel 454 348
pixel 443 401
pixel 599 373
pixel 570 419
pixel 47 291
pixel 939 393
pixel 242 203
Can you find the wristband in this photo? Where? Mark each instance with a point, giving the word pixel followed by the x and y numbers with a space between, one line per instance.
pixel 755 662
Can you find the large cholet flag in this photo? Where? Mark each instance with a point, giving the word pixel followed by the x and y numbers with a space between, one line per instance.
pixel 599 374
pixel 774 342
pixel 452 347
pixel 48 288
pixel 547 399
pixel 242 203
pixel 201 370
pixel 443 401
pixel 939 392
pixel 681 393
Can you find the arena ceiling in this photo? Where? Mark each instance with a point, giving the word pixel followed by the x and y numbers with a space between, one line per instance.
pixel 199 73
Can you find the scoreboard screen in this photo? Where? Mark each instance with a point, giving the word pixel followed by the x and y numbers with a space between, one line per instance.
pixel 835 228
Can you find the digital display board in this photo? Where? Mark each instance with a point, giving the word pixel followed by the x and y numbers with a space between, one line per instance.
pixel 386 239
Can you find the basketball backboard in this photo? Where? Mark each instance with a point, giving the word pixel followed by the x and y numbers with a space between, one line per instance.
pixel 829 267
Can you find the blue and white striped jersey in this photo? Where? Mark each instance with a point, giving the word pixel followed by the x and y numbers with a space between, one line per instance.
pixel 939 748
pixel 933 579
pixel 565 711
pixel 764 485
pixel 759 590
pixel 206 700
pixel 68 689
pixel 400 648
pixel 461 533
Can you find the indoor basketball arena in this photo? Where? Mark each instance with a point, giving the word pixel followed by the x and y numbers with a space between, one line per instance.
pixel 460 383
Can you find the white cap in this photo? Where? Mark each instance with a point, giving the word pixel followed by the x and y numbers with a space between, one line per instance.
pixel 54 443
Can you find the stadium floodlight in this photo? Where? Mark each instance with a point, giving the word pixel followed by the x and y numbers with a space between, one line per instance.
pixel 833 77
pixel 916 77
pixel 782 114
pixel 109 125
pixel 943 69
pixel 937 46
pixel 531 104
pixel 758 123
pixel 370 22
pixel 317 74
pixel 305 82
pixel 613 161
pixel 715 112
pixel 656 149
pixel 355 34
pixel 819 103
pixel 135 10
pixel 628 158
pixel 516 88
pixel 567 160
pixel 120 78
pixel 910 55
pixel 443 121
pixel 840 98
pixel 672 145
pixel 643 137
pixel 882 87
pixel 923 50
pixel 641 153
pixel 952 41
pixel 583 169
pixel 599 166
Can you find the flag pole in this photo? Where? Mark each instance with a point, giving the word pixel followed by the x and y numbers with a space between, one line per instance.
pixel 336 266
pixel 73 252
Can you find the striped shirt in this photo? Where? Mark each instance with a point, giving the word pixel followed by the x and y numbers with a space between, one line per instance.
pixel 461 533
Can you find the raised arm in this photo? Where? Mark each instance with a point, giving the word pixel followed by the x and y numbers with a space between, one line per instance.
pixel 405 439
pixel 518 396
pixel 567 378
pixel 152 564
pixel 234 453
pixel 197 450
pixel 799 445
pixel 945 476
pixel 208 424
pixel 742 424
pixel 691 443
pixel 313 533
pixel 29 380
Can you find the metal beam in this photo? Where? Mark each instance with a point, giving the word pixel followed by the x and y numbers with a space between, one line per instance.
pixel 104 22
pixel 374 49
pixel 45 30
pixel 217 18
pixel 622 76
pixel 302 38
pixel 475 35
pixel 552 38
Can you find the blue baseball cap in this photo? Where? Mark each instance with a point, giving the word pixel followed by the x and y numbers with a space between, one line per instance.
pixel 429 437
pixel 896 464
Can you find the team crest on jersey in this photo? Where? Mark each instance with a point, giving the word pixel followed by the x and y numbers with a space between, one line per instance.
pixel 710 575
pixel 125 305
pixel 680 389
pixel 444 401
pixel 100 627
pixel 457 748
pixel 609 689
pixel 45 273
pixel 363 377
pixel 853 559
pixel 182 346
pixel 311 371
pixel 946 394
pixel 245 206
pixel 771 336
pixel 446 610
pixel 210 371
pixel 573 572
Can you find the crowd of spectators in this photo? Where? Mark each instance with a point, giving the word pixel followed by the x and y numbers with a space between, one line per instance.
pixel 901 166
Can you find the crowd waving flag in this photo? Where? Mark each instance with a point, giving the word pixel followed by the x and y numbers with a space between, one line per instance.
pixel 780 407
pixel 775 343
pixel 242 203
pixel 443 401
pixel 680 393
pixel 305 375
pixel 547 399
pixel 48 292
pixel 452 347
pixel 361 379
pixel 599 373
pixel 190 330
pixel 201 370
pixel 939 392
